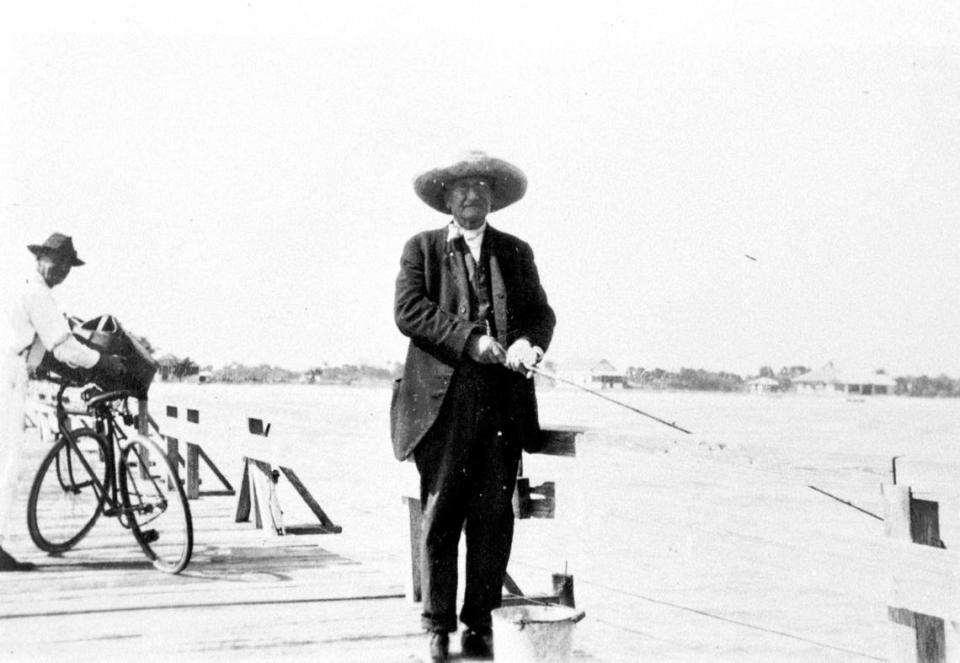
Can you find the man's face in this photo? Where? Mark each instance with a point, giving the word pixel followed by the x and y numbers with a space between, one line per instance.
pixel 469 201
pixel 53 268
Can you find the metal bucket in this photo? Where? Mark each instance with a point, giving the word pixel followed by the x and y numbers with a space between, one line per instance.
pixel 528 633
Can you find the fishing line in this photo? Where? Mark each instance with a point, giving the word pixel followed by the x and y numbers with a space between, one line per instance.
pixel 702 613
pixel 550 376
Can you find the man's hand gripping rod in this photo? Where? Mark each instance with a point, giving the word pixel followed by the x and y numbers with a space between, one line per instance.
pixel 538 371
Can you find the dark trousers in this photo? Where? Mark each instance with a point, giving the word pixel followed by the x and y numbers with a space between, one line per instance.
pixel 468 471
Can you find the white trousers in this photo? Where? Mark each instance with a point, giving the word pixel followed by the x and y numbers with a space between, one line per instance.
pixel 13 394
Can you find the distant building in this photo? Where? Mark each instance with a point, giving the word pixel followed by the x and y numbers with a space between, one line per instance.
pixel 762 385
pixel 591 373
pixel 829 379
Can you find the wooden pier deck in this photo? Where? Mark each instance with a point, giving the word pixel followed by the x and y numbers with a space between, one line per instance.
pixel 246 595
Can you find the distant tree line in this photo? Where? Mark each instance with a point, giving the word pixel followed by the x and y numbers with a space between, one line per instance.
pixel 688 379
pixel 941 386
pixel 349 373
pixel 262 373
pixel 344 374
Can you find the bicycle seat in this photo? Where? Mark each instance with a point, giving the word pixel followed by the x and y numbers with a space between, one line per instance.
pixel 107 396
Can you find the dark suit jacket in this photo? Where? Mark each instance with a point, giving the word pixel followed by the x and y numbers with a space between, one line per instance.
pixel 432 306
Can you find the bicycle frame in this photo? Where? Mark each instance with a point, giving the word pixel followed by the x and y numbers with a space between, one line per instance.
pixel 105 425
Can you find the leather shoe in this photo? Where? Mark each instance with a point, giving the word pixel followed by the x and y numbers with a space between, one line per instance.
pixel 439 647
pixel 9 563
pixel 476 644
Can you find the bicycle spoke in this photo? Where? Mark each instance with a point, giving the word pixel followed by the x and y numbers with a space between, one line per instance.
pixel 155 505
pixel 67 493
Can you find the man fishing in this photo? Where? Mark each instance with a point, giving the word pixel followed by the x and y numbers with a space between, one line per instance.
pixel 469 298
pixel 34 325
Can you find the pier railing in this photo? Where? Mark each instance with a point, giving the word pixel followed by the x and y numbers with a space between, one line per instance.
pixel 924 591
pixel 185 436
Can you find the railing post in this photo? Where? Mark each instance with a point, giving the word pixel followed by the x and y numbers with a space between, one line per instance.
pixel 915 637
pixel 143 427
pixel 173 455
pixel 193 471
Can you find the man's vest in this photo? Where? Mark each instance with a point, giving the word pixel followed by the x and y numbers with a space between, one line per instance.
pixel 481 300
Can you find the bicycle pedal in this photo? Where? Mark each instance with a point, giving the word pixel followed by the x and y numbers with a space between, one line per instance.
pixel 149 535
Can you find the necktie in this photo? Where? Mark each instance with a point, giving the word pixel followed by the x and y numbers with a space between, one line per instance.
pixel 467 258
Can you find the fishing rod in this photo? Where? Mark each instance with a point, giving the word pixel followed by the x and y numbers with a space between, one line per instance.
pixel 542 373
pixel 538 371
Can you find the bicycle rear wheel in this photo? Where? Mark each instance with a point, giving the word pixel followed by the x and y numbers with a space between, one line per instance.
pixel 68 492
pixel 155 505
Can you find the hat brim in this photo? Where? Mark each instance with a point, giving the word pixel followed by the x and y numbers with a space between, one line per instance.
pixel 508 182
pixel 38 250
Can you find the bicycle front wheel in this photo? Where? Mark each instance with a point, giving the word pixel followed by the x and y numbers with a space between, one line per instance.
pixel 155 506
pixel 68 491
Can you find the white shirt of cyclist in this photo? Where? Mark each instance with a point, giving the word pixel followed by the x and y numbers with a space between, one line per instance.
pixel 35 323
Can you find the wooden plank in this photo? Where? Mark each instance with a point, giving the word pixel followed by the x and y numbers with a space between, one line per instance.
pixel 925 579
pixel 534 501
pixel 173 455
pixel 509 584
pixel 255 498
pixel 533 599
pixel 193 472
pixel 268 505
pixel 563 588
pixel 245 500
pixel 310 501
pixel 254 495
pixel 227 486
pixel 256 427
pixel 559 441
pixel 896 514
pixel 542 500
pixel 931 630
pixel 901 632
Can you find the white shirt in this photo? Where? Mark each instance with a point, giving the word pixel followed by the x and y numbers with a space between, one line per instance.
pixel 473 238
pixel 35 321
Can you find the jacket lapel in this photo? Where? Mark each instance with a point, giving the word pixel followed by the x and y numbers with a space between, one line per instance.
pixel 456 267
pixel 497 289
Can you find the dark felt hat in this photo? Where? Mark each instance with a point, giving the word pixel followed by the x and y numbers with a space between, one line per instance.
pixel 57 244
pixel 507 181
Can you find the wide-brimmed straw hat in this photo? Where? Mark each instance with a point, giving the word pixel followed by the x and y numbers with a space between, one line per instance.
pixel 57 244
pixel 507 181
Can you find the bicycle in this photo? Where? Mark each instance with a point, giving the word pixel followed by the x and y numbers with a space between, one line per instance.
pixel 97 471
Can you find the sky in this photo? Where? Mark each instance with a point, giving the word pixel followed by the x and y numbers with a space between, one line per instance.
pixel 711 185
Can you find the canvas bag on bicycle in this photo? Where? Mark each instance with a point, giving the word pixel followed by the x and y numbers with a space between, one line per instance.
pixel 104 333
